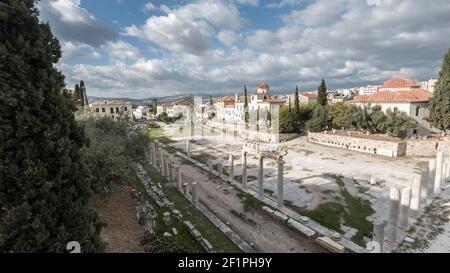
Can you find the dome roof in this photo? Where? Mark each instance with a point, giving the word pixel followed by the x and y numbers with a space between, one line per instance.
pixel 263 86
pixel 400 82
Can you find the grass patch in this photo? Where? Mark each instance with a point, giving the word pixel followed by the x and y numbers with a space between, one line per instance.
pixel 348 209
pixel 160 228
pixel 209 231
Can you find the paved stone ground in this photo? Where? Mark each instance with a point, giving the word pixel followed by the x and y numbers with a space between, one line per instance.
pixel 309 166
pixel 265 233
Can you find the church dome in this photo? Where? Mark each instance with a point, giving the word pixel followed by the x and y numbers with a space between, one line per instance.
pixel 400 82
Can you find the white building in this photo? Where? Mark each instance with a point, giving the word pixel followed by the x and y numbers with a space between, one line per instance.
pixel 115 109
pixel 368 90
pixel 429 85
pixel 403 95
pixel 141 112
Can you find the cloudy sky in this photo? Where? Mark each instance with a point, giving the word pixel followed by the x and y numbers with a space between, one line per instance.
pixel 141 48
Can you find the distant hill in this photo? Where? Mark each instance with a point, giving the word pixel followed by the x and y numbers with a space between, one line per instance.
pixel 182 99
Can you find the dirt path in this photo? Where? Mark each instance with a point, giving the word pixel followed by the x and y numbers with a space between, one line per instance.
pixel 267 234
pixel 122 233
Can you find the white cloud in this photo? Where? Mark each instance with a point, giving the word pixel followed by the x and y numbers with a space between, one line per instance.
pixel 149 7
pixel 71 22
pixel 349 42
pixel 188 28
pixel 123 51
pixel 228 37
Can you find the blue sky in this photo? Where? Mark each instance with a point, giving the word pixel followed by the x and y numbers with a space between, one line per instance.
pixel 141 48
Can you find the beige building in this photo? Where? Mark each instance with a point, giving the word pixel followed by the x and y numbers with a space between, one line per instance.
pixel 114 109
pixel 403 95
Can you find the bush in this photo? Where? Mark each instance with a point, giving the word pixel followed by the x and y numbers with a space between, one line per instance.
pixel 319 120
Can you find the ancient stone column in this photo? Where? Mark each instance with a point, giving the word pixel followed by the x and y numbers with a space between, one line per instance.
pixel 188 148
pixel 210 165
pixel 378 232
pixel 425 179
pixel 162 164
pixel 447 173
pixel 195 192
pixel 444 175
pixel 280 190
pixel 231 168
pixel 261 177
pixel 393 214
pixel 404 207
pixel 179 179
pixel 432 174
pixel 438 177
pixel 166 166
pixel 244 170
pixel 169 170
pixel 154 154
pixel 220 167
pixel 186 189
pixel 416 192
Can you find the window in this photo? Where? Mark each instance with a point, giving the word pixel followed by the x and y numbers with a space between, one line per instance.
pixel 97 110
pixel 103 110
pixel 417 111
pixel 117 109
pixel 126 109
pixel 111 110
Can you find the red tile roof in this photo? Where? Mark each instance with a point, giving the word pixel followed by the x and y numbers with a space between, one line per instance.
pixel 415 95
pixel 400 82
pixel 309 95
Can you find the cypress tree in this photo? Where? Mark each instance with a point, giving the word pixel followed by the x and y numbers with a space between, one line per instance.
pixel 45 185
pixel 297 101
pixel 246 105
pixel 322 94
pixel 440 102
pixel 83 95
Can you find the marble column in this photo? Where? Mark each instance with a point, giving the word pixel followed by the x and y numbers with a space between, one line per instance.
pixel 231 168
pixel 220 167
pixel 444 175
pixel 378 232
pixel 394 207
pixel 244 170
pixel 210 165
pixel 447 173
pixel 404 207
pixel 425 179
pixel 186 189
pixel 432 174
pixel 416 193
pixel 161 161
pixel 188 148
pixel 261 177
pixel 280 191
pixel 166 167
pixel 195 192
pixel 438 177
pixel 179 179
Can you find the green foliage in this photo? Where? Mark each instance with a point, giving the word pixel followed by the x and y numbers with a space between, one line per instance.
pixel 361 119
pixel 440 102
pixel 319 120
pixel 322 94
pixel 292 121
pixel 340 115
pixel 166 245
pixel 45 185
pixel 164 117
pixel 398 123
pixel 112 146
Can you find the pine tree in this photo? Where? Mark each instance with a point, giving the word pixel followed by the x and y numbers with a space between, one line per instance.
pixel 296 117
pixel 45 185
pixel 322 94
pixel 440 102
pixel 246 114
pixel 83 95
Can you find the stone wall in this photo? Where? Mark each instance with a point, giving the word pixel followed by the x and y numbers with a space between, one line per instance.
pixel 369 146
pixel 410 147
pixel 427 147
